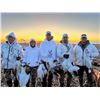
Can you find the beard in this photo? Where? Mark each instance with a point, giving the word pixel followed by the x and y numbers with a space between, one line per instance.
pixel 32 46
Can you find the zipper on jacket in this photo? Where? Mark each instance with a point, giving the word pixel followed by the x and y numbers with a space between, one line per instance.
pixel 82 56
pixel 8 56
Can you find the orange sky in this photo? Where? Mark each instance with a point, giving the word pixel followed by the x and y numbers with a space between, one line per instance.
pixel 73 37
pixel 34 25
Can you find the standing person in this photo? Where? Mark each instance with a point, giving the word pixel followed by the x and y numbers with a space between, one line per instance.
pixel 48 55
pixel 65 49
pixel 11 52
pixel 31 59
pixel 84 52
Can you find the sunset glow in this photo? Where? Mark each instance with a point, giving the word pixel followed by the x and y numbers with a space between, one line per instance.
pixel 31 25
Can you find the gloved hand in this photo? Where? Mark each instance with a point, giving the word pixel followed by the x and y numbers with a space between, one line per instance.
pixel 55 61
pixel 89 70
pixel 44 63
pixel 66 56
pixel 27 69
pixel 18 58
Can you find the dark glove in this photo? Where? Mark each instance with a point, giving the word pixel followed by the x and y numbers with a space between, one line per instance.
pixel 23 65
pixel 27 69
pixel 55 61
pixel 66 56
pixel 18 58
pixel 44 63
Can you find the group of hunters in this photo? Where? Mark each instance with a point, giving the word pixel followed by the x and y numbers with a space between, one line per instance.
pixel 47 59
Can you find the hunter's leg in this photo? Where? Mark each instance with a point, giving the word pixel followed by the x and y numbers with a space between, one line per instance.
pixel 89 77
pixel 62 76
pixel 50 79
pixel 69 79
pixel 8 77
pixel 80 73
pixel 44 83
pixel 34 75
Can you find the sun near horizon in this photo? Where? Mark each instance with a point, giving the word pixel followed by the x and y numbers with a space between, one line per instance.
pixel 34 25
pixel 39 37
